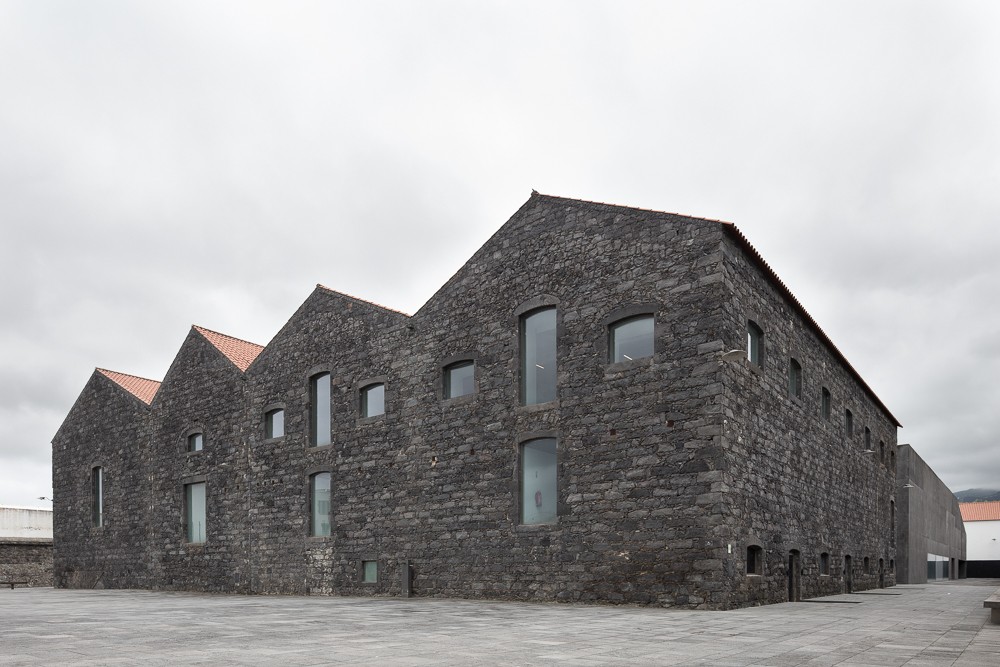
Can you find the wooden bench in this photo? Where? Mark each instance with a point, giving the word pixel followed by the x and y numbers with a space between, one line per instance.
pixel 993 604
pixel 12 583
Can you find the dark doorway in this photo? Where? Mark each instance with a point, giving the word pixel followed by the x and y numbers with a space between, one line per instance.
pixel 881 573
pixel 794 577
pixel 848 575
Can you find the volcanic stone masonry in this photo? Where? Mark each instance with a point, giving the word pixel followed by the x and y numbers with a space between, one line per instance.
pixel 688 475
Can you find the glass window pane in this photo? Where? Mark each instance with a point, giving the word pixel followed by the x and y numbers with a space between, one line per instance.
pixel 274 424
pixel 373 400
pixel 369 571
pixel 538 357
pixel 319 505
pixel 196 441
pixel 319 409
pixel 195 505
pixel 632 339
pixel 538 481
pixel 754 336
pixel 460 380
pixel 97 482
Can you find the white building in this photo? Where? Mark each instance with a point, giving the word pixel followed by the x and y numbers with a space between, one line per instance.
pixel 30 522
pixel 982 531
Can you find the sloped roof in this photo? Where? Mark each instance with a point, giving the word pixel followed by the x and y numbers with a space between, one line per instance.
pixel 363 301
pixel 734 232
pixel 240 352
pixel 141 388
pixel 983 511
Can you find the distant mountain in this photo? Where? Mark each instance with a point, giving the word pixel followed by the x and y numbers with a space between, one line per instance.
pixel 975 495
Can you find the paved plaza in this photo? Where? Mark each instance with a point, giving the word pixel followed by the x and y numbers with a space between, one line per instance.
pixel 934 624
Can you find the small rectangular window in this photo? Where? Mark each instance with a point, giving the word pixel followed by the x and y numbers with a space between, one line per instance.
pixel 319 409
pixel 631 339
pixel 196 442
pixel 849 423
pixel 319 504
pixel 538 357
pixel 755 560
pixel 194 512
pixel 369 571
pixel 868 439
pixel 460 379
pixel 824 565
pixel 274 424
pixel 373 400
pixel 538 481
pixel 97 496
pixel 825 404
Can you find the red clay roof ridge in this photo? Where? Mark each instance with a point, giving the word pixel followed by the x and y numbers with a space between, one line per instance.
pixel 240 352
pixel 142 388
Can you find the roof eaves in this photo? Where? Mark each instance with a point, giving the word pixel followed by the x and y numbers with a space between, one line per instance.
pixel 747 247
pixel 142 389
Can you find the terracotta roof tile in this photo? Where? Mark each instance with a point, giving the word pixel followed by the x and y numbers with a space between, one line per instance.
pixel 141 388
pixel 240 352
pixel 982 511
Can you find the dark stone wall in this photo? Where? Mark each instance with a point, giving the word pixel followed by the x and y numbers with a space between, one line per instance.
pixel 930 519
pixel 798 481
pixel 26 559
pixel 106 427
pixel 667 465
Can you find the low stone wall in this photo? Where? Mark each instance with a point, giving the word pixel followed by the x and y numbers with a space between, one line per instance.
pixel 26 559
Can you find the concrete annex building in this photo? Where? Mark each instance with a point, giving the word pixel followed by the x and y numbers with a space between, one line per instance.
pixel 565 419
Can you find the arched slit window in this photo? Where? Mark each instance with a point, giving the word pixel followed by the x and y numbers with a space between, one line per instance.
pixel 538 356
pixel 319 409
pixel 97 496
pixel 755 344
pixel 794 378
pixel 539 481
pixel 319 504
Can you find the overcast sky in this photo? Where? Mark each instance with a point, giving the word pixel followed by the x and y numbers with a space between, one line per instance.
pixel 168 164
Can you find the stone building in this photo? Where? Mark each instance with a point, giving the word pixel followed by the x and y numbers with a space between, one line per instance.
pixel 603 404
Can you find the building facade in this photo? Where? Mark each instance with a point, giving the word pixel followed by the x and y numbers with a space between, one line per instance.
pixel 982 529
pixel 931 535
pixel 602 404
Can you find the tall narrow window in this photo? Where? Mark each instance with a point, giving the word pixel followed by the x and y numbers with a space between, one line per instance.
pixel 755 344
pixel 538 481
pixel 824 564
pixel 373 400
pixel 631 338
pixel 196 442
pixel 755 559
pixel 319 504
pixel 319 409
pixel 194 512
pixel 538 357
pixel 849 423
pixel 868 439
pixel 274 424
pixel 825 404
pixel 881 451
pixel 459 379
pixel 97 496
pixel 794 378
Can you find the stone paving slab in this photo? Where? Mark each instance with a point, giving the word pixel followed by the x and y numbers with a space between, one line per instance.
pixel 935 625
